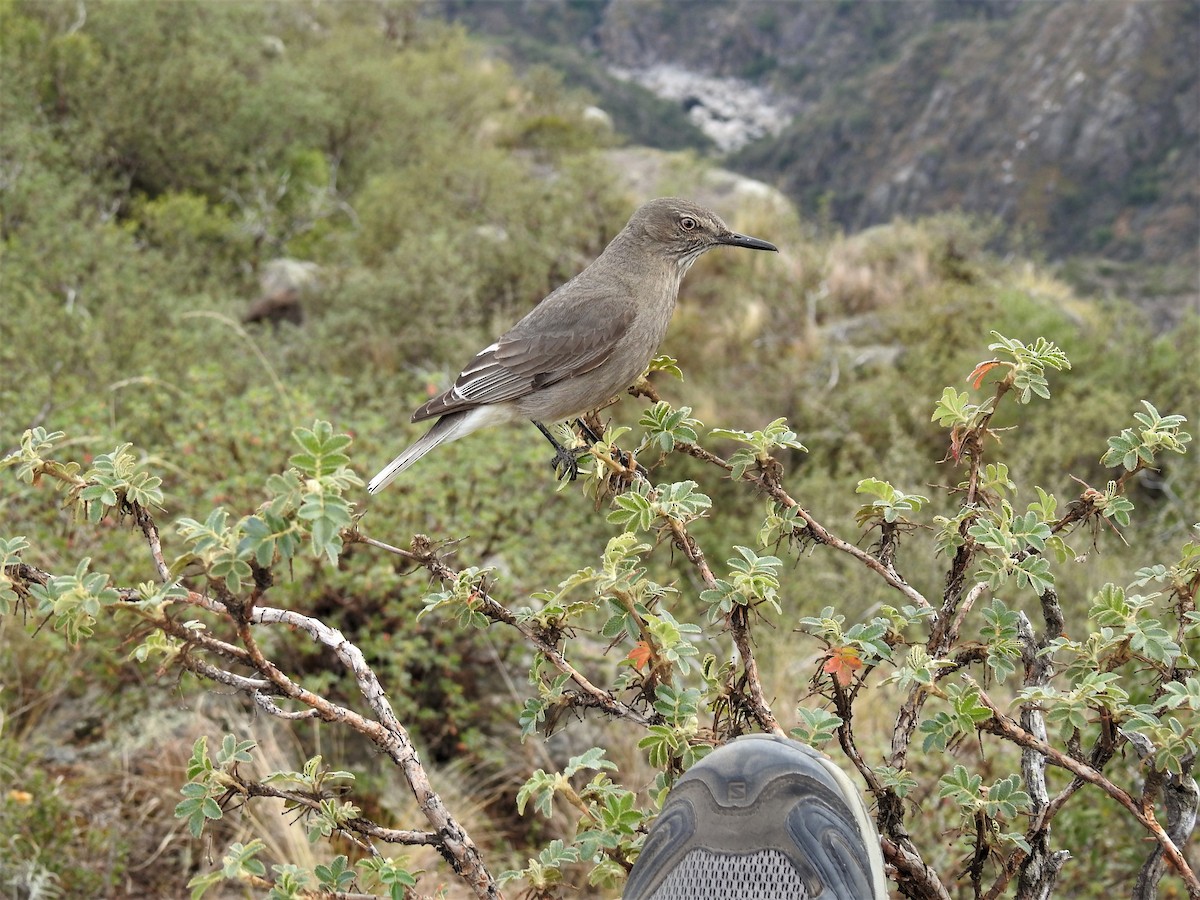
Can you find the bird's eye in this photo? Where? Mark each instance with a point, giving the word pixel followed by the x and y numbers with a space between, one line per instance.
pixel 687 223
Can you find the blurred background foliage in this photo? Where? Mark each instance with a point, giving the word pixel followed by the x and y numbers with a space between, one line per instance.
pixel 156 157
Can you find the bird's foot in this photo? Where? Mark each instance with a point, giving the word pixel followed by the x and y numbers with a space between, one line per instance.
pixel 566 462
pixel 623 459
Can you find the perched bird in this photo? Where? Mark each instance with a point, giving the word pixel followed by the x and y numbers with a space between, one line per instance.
pixel 586 341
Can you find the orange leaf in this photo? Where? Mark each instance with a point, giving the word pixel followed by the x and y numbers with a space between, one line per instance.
pixel 977 374
pixel 640 654
pixel 843 664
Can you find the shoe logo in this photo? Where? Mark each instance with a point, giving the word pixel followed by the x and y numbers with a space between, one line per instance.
pixel 735 791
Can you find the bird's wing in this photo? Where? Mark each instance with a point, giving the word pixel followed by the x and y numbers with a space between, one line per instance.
pixel 535 354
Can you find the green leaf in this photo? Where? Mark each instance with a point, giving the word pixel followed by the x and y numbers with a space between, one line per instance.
pixel 816 727
pixel 1045 508
pixel 642 506
pixel 1035 571
pixel 665 364
pixel 201 883
pixel 30 460
pixel 1149 639
pixel 633 512
pixel 233 752
pixel 1135 447
pixel 196 811
pixel 994 478
pixel 592 759
pixel 336 875
pixel 199 764
pixel 965 714
pixel 240 859
pixel 899 780
pixel 532 715
pixel 890 504
pixel 1005 799
pixel 1030 362
pixel 662 744
pixel 752 580
pixel 758 444
pixel 392 874
pixel 953 409
pixel 1000 634
pixel 780 523
pixel 960 786
pixel 74 601
pixel 991 535
pixel 665 427
pixel 327 514
pixel 681 501
pixel 1181 695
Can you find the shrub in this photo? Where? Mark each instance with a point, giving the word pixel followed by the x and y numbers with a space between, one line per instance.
pixel 681 663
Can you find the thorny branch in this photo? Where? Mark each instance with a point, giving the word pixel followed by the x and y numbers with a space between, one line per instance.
pixel 912 870
pixel 915 877
pixel 425 555
pixel 1038 869
pixel 385 731
pixel 739 627
pixel 816 530
pixel 1005 727
pixel 359 830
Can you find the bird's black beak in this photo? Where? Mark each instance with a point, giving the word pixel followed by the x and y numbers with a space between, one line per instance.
pixel 733 239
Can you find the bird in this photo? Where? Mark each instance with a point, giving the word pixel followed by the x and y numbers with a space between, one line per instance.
pixel 586 341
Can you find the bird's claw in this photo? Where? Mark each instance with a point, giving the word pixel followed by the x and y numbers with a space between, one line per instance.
pixel 566 462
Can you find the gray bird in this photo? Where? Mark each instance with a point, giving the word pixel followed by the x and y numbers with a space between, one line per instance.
pixel 586 341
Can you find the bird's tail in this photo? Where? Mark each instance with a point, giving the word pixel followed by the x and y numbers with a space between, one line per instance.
pixel 448 428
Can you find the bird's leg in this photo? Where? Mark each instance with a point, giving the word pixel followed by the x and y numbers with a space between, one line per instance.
pixel 621 457
pixel 565 460
pixel 587 431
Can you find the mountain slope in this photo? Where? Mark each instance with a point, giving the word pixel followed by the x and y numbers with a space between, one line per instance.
pixel 1076 123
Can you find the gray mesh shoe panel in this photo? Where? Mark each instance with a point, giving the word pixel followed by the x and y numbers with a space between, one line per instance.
pixel 757 876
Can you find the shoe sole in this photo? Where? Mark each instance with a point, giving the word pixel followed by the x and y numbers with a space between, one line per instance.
pixel 769 815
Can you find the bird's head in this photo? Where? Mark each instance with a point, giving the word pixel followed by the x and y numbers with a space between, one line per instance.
pixel 683 230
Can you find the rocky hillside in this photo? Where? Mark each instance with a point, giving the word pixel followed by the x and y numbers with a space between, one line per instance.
pixel 1077 123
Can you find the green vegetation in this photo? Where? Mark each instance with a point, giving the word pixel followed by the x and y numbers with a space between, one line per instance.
pixel 155 158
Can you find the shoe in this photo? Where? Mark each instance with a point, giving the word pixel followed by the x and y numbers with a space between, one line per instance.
pixel 761 818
